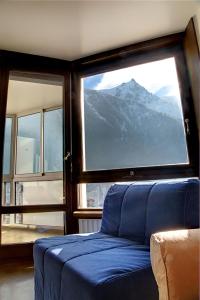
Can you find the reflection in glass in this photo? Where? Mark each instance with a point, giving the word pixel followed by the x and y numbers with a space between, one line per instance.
pixel 132 117
pixel 53 141
pixel 39 192
pixel 7 146
pixel 92 195
pixel 27 227
pixel 28 144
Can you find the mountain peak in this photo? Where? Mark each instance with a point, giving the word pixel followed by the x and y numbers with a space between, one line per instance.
pixel 125 88
pixel 129 82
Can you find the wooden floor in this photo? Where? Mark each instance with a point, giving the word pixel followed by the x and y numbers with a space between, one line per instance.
pixel 16 281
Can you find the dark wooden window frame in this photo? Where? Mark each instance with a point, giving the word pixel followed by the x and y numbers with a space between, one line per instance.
pixel 24 63
pixel 148 51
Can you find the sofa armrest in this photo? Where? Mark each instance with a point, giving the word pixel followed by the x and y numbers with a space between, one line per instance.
pixel 175 263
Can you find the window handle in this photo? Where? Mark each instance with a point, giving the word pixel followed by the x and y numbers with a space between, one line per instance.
pixel 187 126
pixel 67 156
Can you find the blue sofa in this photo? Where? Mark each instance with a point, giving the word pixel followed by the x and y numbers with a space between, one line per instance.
pixel 115 262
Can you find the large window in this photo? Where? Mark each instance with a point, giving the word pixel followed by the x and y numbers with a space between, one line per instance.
pixel 135 119
pixel 132 117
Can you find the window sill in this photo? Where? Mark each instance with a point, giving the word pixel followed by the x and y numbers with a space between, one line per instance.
pixel 88 214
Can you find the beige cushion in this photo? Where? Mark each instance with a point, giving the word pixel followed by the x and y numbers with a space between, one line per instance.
pixel 176 264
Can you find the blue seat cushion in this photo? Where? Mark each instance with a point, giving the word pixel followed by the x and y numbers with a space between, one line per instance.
pixel 92 267
pixel 123 272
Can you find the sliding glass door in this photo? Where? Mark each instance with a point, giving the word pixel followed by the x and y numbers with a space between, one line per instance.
pixel 33 190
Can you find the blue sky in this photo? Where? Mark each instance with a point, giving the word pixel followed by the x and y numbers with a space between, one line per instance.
pixel 153 76
pixel 92 81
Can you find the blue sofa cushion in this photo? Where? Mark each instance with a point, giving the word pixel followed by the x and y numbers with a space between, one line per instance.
pixel 171 206
pixel 112 209
pixel 133 211
pixel 118 273
pixel 91 267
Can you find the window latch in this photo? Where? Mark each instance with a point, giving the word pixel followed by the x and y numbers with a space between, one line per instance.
pixel 67 156
pixel 187 126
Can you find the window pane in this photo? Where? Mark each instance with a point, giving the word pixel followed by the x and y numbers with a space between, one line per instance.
pixel 21 228
pixel 28 144
pixel 132 117
pixel 92 195
pixel 39 192
pixel 6 194
pixel 53 141
pixel 7 146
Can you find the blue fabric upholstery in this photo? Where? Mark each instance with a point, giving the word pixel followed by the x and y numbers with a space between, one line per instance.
pixel 145 208
pixel 168 207
pixel 115 263
pixel 133 212
pixel 112 209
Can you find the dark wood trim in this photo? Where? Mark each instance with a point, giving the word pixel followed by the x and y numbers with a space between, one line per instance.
pixel 28 63
pixel 88 214
pixel 192 55
pixel 32 208
pixel 17 251
pixel 4 75
pixel 69 188
pixel 95 63
pixel 136 174
pixel 77 156
pixel 89 209
pixel 10 261
pixel 188 111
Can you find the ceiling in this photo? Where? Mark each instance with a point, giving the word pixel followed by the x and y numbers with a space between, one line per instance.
pixel 27 96
pixel 73 29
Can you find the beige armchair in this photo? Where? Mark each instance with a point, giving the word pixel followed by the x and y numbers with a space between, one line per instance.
pixel 175 257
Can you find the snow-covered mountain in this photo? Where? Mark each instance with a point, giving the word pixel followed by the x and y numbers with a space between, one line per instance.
pixel 127 126
pixel 133 92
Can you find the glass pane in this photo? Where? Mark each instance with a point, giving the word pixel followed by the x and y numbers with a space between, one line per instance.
pixel 53 141
pixel 28 144
pixel 6 194
pixel 39 192
pixel 28 95
pixel 7 146
pixel 22 228
pixel 92 195
pixel 132 117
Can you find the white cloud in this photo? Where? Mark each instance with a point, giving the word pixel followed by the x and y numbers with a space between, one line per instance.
pixel 152 76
